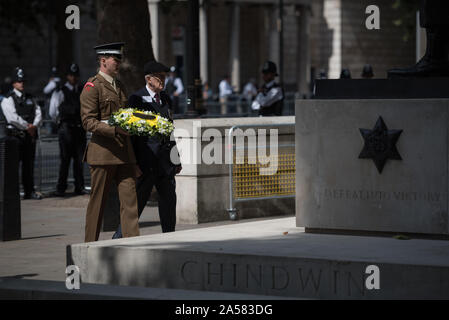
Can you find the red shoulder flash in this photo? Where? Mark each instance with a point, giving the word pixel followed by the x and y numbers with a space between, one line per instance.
pixel 88 85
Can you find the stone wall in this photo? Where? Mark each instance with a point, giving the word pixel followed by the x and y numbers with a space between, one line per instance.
pixel 203 188
pixel 340 39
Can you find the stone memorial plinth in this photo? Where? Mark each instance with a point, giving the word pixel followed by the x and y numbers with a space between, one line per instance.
pixel 378 165
pixel 202 187
pixel 269 258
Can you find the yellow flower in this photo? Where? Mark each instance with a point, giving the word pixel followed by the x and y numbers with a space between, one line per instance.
pixel 152 123
pixel 133 119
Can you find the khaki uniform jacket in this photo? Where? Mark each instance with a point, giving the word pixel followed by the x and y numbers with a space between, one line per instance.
pixel 98 101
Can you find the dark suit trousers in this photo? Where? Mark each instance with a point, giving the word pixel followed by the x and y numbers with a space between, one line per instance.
pixel 72 142
pixel 166 188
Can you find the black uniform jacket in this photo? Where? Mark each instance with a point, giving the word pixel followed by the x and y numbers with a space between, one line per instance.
pixel 151 153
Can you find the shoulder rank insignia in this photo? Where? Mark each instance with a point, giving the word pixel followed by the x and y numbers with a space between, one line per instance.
pixel 88 85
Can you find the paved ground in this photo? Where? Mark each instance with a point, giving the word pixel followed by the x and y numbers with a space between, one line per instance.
pixel 49 225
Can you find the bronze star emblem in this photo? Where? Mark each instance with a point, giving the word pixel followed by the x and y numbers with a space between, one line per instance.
pixel 380 144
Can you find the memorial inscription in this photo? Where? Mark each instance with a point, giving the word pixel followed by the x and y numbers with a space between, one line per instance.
pixel 297 280
pixel 377 195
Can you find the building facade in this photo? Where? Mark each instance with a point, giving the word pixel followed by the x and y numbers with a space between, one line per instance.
pixel 236 37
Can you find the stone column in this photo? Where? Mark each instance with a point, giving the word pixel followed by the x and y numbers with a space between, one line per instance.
pixel 303 48
pixel 153 7
pixel 421 39
pixel 235 47
pixel 204 70
pixel 332 14
pixel 273 42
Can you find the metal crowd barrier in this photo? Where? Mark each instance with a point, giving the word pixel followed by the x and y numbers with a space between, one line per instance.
pixel 245 181
pixel 46 169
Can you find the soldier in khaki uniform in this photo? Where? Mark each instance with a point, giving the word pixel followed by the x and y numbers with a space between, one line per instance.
pixel 110 153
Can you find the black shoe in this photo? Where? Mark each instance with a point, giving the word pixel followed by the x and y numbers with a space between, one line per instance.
pixel 59 193
pixel 435 61
pixel 118 233
pixel 80 192
pixel 424 68
pixel 116 236
pixel 33 195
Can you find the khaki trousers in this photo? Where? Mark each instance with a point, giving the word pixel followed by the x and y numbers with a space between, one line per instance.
pixel 102 176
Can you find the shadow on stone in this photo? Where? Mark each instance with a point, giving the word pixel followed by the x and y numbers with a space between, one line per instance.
pixel 39 237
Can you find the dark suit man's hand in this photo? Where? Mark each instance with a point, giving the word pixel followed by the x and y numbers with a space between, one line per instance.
pixel 119 130
pixel 178 169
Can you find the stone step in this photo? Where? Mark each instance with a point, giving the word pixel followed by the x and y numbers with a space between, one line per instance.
pixel 26 289
pixel 272 258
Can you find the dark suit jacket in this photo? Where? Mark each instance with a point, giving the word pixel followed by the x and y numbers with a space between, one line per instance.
pixel 151 153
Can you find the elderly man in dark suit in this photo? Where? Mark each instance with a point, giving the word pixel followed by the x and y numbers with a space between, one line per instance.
pixel 153 155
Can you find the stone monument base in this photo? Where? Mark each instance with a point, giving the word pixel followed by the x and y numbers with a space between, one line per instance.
pixel 373 165
pixel 272 258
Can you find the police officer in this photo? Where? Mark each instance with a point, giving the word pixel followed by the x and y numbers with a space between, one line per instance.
pixel 109 153
pixel 174 88
pixel 65 110
pixel 345 74
pixel 54 84
pixel 24 117
pixel 269 100
pixel 367 72
pixel 153 155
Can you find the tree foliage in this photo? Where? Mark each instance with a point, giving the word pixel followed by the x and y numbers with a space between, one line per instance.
pixel 41 17
pixel 127 21
pixel 407 16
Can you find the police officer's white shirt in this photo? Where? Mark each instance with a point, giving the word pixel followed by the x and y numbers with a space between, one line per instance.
pixel 273 95
pixel 9 110
pixel 178 84
pixel 57 98
pixel 51 85
pixel 249 90
pixel 224 88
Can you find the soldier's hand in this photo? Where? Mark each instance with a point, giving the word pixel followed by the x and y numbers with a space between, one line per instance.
pixel 32 130
pixel 119 130
pixel 178 169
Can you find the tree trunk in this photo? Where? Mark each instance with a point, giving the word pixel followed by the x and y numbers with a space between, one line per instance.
pixel 64 38
pixel 127 21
